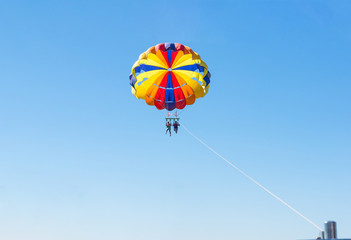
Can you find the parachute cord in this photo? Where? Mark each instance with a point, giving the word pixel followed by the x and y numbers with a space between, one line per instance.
pixel 182 110
pixel 253 180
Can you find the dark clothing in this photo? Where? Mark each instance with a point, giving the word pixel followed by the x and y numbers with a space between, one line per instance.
pixel 168 125
pixel 175 126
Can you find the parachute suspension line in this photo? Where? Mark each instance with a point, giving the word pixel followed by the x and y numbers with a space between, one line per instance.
pixel 253 180
pixel 182 110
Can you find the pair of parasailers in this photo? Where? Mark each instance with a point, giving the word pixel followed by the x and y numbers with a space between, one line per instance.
pixel 175 127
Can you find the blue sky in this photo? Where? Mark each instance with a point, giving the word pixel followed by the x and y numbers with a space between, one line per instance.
pixel 81 158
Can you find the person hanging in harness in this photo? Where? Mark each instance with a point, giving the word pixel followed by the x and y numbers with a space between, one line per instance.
pixel 175 126
pixel 168 125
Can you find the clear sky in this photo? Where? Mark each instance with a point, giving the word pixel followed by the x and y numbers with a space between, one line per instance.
pixel 82 158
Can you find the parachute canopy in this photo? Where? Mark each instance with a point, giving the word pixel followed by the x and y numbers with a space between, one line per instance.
pixel 169 76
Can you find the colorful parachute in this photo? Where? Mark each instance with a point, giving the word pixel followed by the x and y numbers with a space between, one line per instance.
pixel 169 76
